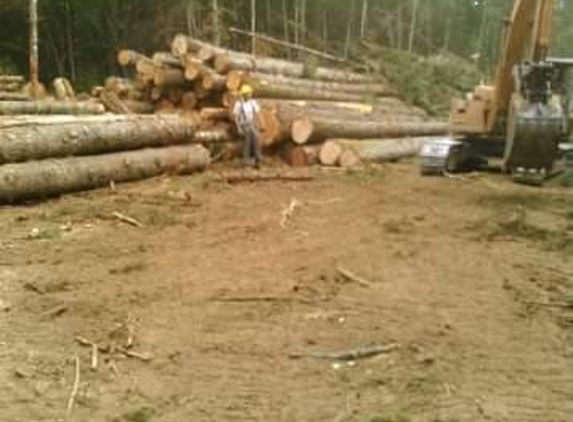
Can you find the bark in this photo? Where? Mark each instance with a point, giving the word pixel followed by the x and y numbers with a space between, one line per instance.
pixel 10 86
pixel 301 93
pixel 139 107
pixel 145 70
pixel 262 81
pixel 211 113
pixel 212 81
pixel 189 101
pixel 384 150
pixel 13 96
pixel 34 60
pixel 63 89
pixel 194 70
pixel 47 178
pixel 130 58
pixel 164 59
pixel 306 130
pixel 12 79
pixel 88 137
pixel 224 63
pixel 50 107
pixel 216 135
pixel 183 44
pixel 169 78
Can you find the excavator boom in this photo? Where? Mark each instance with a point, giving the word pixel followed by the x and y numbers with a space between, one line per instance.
pixel 527 105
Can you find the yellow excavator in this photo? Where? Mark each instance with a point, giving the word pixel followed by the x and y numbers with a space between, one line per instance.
pixel 526 110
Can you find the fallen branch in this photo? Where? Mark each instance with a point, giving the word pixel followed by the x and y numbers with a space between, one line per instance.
pixel 289 45
pixel 144 356
pixel 95 353
pixel 75 388
pixel 349 355
pixel 261 299
pixel 353 277
pixel 128 220
pixel 245 177
pixel 551 305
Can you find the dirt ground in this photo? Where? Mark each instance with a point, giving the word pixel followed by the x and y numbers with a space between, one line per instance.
pixel 211 297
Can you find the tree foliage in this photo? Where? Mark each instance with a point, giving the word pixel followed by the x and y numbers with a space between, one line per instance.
pixel 79 38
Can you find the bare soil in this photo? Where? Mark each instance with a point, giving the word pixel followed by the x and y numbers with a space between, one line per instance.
pixel 212 296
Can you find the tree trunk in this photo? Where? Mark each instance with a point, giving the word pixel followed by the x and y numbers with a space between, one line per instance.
pixel 299 156
pixel 384 150
pixel 364 19
pixel 254 26
pixel 224 63
pixel 96 136
pixel 216 22
pixel 47 178
pixel 413 25
pixel 50 107
pixel 318 129
pixel 263 82
pixel 34 61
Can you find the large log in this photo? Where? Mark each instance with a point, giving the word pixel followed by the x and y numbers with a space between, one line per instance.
pixel 50 107
pixel 307 130
pixel 260 81
pixel 10 86
pixel 290 92
pixel 145 70
pixel 12 78
pixel 40 179
pixel 92 137
pixel 169 77
pixel 13 96
pixel 165 59
pixel 183 44
pixel 216 135
pixel 384 150
pixel 224 63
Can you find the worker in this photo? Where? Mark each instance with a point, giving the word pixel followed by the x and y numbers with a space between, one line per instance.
pixel 246 114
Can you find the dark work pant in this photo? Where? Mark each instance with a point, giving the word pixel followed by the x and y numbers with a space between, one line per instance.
pixel 252 149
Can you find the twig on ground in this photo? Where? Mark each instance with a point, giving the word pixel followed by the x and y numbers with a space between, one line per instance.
pixel 253 177
pixel 57 311
pixel 144 356
pixel 288 212
pixel 261 299
pixel 95 353
pixel 349 355
pixel 353 277
pixel 128 220
pixel 551 305
pixel 75 388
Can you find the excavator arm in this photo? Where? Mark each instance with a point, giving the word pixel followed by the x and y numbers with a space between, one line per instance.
pixel 526 106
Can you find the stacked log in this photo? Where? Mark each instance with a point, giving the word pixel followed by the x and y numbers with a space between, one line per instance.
pixel 302 105
pixel 12 88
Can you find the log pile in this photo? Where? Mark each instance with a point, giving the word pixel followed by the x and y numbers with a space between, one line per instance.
pixel 303 105
pixel 43 156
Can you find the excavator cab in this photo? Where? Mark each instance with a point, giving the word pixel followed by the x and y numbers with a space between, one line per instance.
pixel 526 110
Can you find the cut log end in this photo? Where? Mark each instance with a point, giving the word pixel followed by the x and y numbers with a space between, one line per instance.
pixel 349 158
pixel 302 130
pixel 330 153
